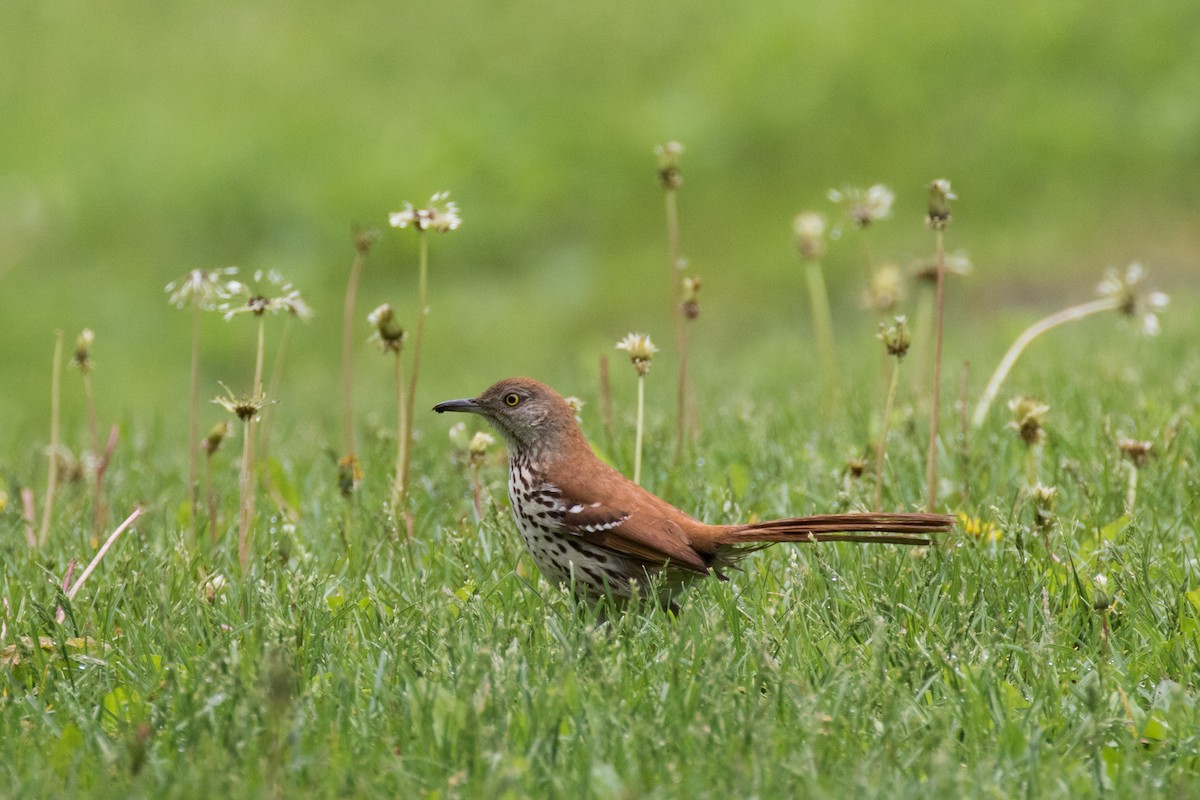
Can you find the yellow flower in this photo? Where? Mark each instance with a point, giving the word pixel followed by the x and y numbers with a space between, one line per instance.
pixel 983 530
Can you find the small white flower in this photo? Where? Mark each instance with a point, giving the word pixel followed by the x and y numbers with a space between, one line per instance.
pixel 255 300
pixel 204 287
pixel 480 442
pixel 440 218
pixel 640 350
pixel 865 206
pixel 808 228
pixel 1131 299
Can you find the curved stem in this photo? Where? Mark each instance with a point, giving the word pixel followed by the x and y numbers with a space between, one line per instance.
pixel 1032 332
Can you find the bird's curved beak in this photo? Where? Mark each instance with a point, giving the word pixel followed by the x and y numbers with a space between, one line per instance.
pixel 469 405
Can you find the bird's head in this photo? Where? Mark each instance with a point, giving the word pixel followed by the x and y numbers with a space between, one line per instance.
pixel 528 414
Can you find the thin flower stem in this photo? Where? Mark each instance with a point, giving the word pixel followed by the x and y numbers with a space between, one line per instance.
pixel 477 492
pixel 681 343
pixel 258 356
pixel 212 501
pixel 194 422
pixel 1131 489
pixel 637 446
pixel 818 299
pixel 422 283
pixel 137 512
pixel 881 451
pixel 1032 332
pixel 89 398
pixel 401 436
pixel 246 515
pixel 1032 457
pixel 273 387
pixel 52 477
pixel 348 352
pixel 936 394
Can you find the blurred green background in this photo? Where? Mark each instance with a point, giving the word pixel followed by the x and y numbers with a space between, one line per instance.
pixel 141 140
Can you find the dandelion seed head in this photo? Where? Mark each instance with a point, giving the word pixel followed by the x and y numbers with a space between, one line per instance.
pixel 1129 297
pixel 203 287
pixel 864 206
pixel 440 215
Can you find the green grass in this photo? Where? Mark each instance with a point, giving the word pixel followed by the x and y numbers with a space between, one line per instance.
pixel 444 666
pixel 148 141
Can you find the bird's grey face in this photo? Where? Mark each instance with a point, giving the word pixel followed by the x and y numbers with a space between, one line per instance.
pixel 519 409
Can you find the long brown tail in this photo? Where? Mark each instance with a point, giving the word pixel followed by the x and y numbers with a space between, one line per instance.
pixel 882 528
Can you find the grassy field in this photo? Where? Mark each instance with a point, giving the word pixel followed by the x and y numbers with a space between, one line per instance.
pixel 349 659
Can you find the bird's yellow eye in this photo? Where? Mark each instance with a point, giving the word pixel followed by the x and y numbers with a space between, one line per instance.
pixel 512 399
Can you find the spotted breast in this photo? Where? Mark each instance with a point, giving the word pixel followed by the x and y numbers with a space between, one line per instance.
pixel 553 531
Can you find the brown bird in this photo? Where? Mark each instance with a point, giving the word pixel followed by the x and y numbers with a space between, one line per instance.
pixel 587 525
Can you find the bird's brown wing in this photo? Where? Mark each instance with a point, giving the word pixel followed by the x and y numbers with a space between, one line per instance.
pixel 648 534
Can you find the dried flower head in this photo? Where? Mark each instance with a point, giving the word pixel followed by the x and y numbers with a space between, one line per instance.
pixel 864 206
pixel 245 407
pixel 214 587
pixel 895 337
pixel 364 238
pixel 808 228
pixel 856 465
pixel 1138 452
pixel 243 298
pixel 640 350
pixel 1132 299
pixel 82 360
pixel 388 332
pixel 216 435
pixel 205 288
pixel 668 164
pixel 940 196
pixel 690 297
pixel 886 289
pixel 441 215
pixel 1029 416
pixel 1044 499
pixel 349 474
pixel 956 263
pixel 480 443
pixel 1101 600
